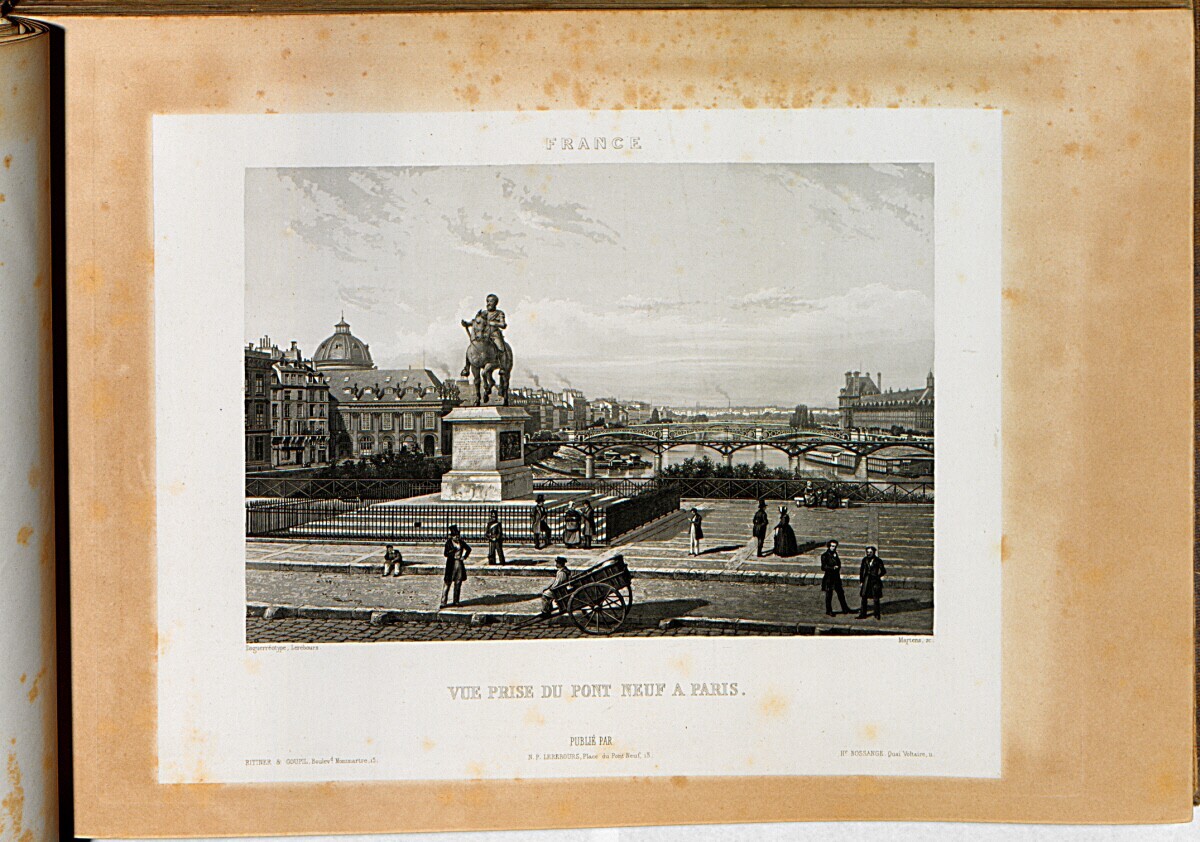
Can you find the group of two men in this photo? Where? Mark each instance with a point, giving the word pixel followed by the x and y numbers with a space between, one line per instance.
pixel 870 580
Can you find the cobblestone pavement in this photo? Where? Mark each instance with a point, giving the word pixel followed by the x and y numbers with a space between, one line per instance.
pixel 654 599
pixel 902 532
pixel 295 630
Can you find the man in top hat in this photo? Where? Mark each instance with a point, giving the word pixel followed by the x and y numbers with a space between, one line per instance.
pixel 760 525
pixel 831 582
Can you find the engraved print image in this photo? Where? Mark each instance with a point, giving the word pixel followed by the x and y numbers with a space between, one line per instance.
pixel 589 401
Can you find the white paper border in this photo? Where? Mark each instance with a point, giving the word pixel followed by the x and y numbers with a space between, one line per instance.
pixel 806 699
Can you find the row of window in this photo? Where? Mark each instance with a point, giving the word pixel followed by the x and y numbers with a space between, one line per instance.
pixel 369 421
pixel 258 449
pixel 317 397
pixel 295 428
pixel 366 445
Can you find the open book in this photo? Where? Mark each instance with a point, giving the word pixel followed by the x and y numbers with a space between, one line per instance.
pixel 549 419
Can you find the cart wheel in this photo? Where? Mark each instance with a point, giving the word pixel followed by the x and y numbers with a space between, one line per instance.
pixel 597 608
pixel 629 594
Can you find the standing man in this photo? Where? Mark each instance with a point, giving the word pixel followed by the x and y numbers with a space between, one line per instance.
pixel 760 525
pixel 455 551
pixel 831 582
pixel 495 538
pixel 392 561
pixel 870 582
pixel 494 323
pixel 587 524
pixel 541 524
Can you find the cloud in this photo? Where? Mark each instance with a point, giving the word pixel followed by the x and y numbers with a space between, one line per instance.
pixel 774 298
pixel 640 304
pixel 855 199
pixel 535 211
pixel 364 297
pixel 487 241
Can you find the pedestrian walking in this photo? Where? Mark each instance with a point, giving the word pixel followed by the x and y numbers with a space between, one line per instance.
pixel 870 582
pixel 695 532
pixel 541 524
pixel 392 561
pixel 587 524
pixel 495 538
pixel 456 552
pixel 831 582
pixel 759 529
pixel 785 538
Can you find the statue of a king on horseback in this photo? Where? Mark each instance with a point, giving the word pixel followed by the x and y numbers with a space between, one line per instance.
pixel 488 352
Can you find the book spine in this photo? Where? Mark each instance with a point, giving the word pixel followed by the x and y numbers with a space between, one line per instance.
pixel 28 740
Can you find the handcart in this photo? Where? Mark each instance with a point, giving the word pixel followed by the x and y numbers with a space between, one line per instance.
pixel 597 599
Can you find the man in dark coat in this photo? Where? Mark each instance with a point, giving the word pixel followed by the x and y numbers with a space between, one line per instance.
pixel 495 539
pixel 870 582
pixel 455 551
pixel 831 582
pixel 760 525
pixel 541 524
pixel 587 524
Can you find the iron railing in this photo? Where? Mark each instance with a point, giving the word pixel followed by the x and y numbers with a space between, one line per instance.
pixel 312 488
pixel 630 513
pixel 370 520
pixel 787 489
pixel 859 491
pixel 379 521
pixel 280 516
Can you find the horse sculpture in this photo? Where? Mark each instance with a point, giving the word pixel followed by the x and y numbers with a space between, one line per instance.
pixel 483 358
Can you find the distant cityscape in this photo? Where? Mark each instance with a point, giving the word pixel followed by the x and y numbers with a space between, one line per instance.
pixel 336 405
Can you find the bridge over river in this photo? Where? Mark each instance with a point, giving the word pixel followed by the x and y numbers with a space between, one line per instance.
pixel 850 452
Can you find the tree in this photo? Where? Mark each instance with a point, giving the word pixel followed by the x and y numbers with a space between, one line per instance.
pixel 801 419
pixel 654 419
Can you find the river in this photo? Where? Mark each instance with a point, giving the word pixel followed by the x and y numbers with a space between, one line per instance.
pixel 571 460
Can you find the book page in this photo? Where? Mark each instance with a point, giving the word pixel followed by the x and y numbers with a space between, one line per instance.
pixel 1093 263
pixel 29 806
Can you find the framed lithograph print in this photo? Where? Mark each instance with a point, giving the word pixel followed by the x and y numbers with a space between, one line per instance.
pixel 714 412
pixel 777 245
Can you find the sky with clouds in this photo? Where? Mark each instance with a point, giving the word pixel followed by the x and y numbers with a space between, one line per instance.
pixel 672 283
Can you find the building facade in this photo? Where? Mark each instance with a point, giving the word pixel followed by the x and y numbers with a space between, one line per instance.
pixel 287 409
pixel 259 377
pixel 863 405
pixel 549 410
pixel 608 412
pixel 375 411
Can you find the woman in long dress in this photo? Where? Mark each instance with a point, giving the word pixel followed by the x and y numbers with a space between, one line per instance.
pixel 572 527
pixel 785 538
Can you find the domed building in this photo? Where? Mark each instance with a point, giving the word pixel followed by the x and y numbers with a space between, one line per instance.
pixel 343 351
pixel 375 410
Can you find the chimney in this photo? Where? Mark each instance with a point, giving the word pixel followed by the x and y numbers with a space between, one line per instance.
pixel 879 380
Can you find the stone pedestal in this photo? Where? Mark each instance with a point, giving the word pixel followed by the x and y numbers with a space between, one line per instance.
pixel 488 458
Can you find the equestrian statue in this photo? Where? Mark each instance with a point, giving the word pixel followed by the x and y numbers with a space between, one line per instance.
pixel 488 352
